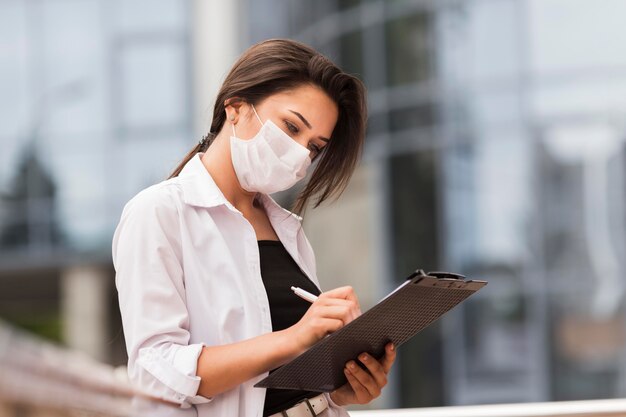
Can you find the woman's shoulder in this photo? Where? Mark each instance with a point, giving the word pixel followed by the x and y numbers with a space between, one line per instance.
pixel 153 211
pixel 163 198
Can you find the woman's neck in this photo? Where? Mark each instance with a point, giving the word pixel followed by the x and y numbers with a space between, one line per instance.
pixel 217 160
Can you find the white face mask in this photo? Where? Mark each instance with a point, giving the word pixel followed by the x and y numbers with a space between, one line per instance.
pixel 269 162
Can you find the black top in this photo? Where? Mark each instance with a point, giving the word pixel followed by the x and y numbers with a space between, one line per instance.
pixel 279 272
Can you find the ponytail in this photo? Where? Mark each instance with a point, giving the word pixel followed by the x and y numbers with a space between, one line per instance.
pixel 201 146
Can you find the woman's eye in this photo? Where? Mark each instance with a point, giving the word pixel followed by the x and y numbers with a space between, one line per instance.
pixel 314 148
pixel 292 128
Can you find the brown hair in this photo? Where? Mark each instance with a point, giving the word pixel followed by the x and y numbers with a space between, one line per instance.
pixel 278 65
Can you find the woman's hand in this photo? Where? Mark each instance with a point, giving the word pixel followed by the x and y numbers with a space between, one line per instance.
pixel 363 386
pixel 331 311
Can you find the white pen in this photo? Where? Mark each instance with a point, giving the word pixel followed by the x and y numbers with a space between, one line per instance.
pixel 304 294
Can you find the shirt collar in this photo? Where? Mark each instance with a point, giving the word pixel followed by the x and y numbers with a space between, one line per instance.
pixel 275 210
pixel 200 189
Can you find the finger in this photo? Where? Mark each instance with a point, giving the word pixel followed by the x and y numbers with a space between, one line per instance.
pixel 333 301
pixel 362 394
pixel 389 358
pixel 364 378
pixel 337 312
pixel 334 312
pixel 354 310
pixel 346 293
pixel 376 369
pixel 339 292
pixel 338 302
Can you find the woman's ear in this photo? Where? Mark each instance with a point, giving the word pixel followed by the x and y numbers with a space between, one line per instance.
pixel 233 107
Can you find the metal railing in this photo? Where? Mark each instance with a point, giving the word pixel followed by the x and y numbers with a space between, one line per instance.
pixel 38 378
pixel 591 408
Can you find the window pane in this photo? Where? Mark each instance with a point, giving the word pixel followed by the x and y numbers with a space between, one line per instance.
pixel 351 53
pixel 417 116
pixel 132 16
pixel 408 52
pixel 153 85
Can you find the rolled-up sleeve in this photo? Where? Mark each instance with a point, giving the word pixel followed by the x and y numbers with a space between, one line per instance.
pixel 150 282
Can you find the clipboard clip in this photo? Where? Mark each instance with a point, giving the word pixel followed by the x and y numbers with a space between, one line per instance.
pixel 435 274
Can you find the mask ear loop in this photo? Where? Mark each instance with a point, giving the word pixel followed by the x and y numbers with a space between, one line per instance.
pixel 256 198
pixel 256 114
pixel 233 118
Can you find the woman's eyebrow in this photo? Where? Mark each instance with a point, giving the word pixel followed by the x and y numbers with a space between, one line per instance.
pixel 306 122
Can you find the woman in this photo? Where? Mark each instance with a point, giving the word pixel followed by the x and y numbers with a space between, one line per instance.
pixel 205 260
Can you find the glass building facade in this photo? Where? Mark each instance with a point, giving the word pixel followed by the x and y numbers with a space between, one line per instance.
pixel 91 89
pixel 495 149
pixel 95 105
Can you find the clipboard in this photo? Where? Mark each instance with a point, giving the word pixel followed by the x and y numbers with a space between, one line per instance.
pixel 415 304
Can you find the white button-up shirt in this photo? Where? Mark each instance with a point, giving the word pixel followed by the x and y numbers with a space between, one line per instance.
pixel 188 275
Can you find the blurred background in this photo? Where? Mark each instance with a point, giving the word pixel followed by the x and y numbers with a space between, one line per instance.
pixel 495 149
